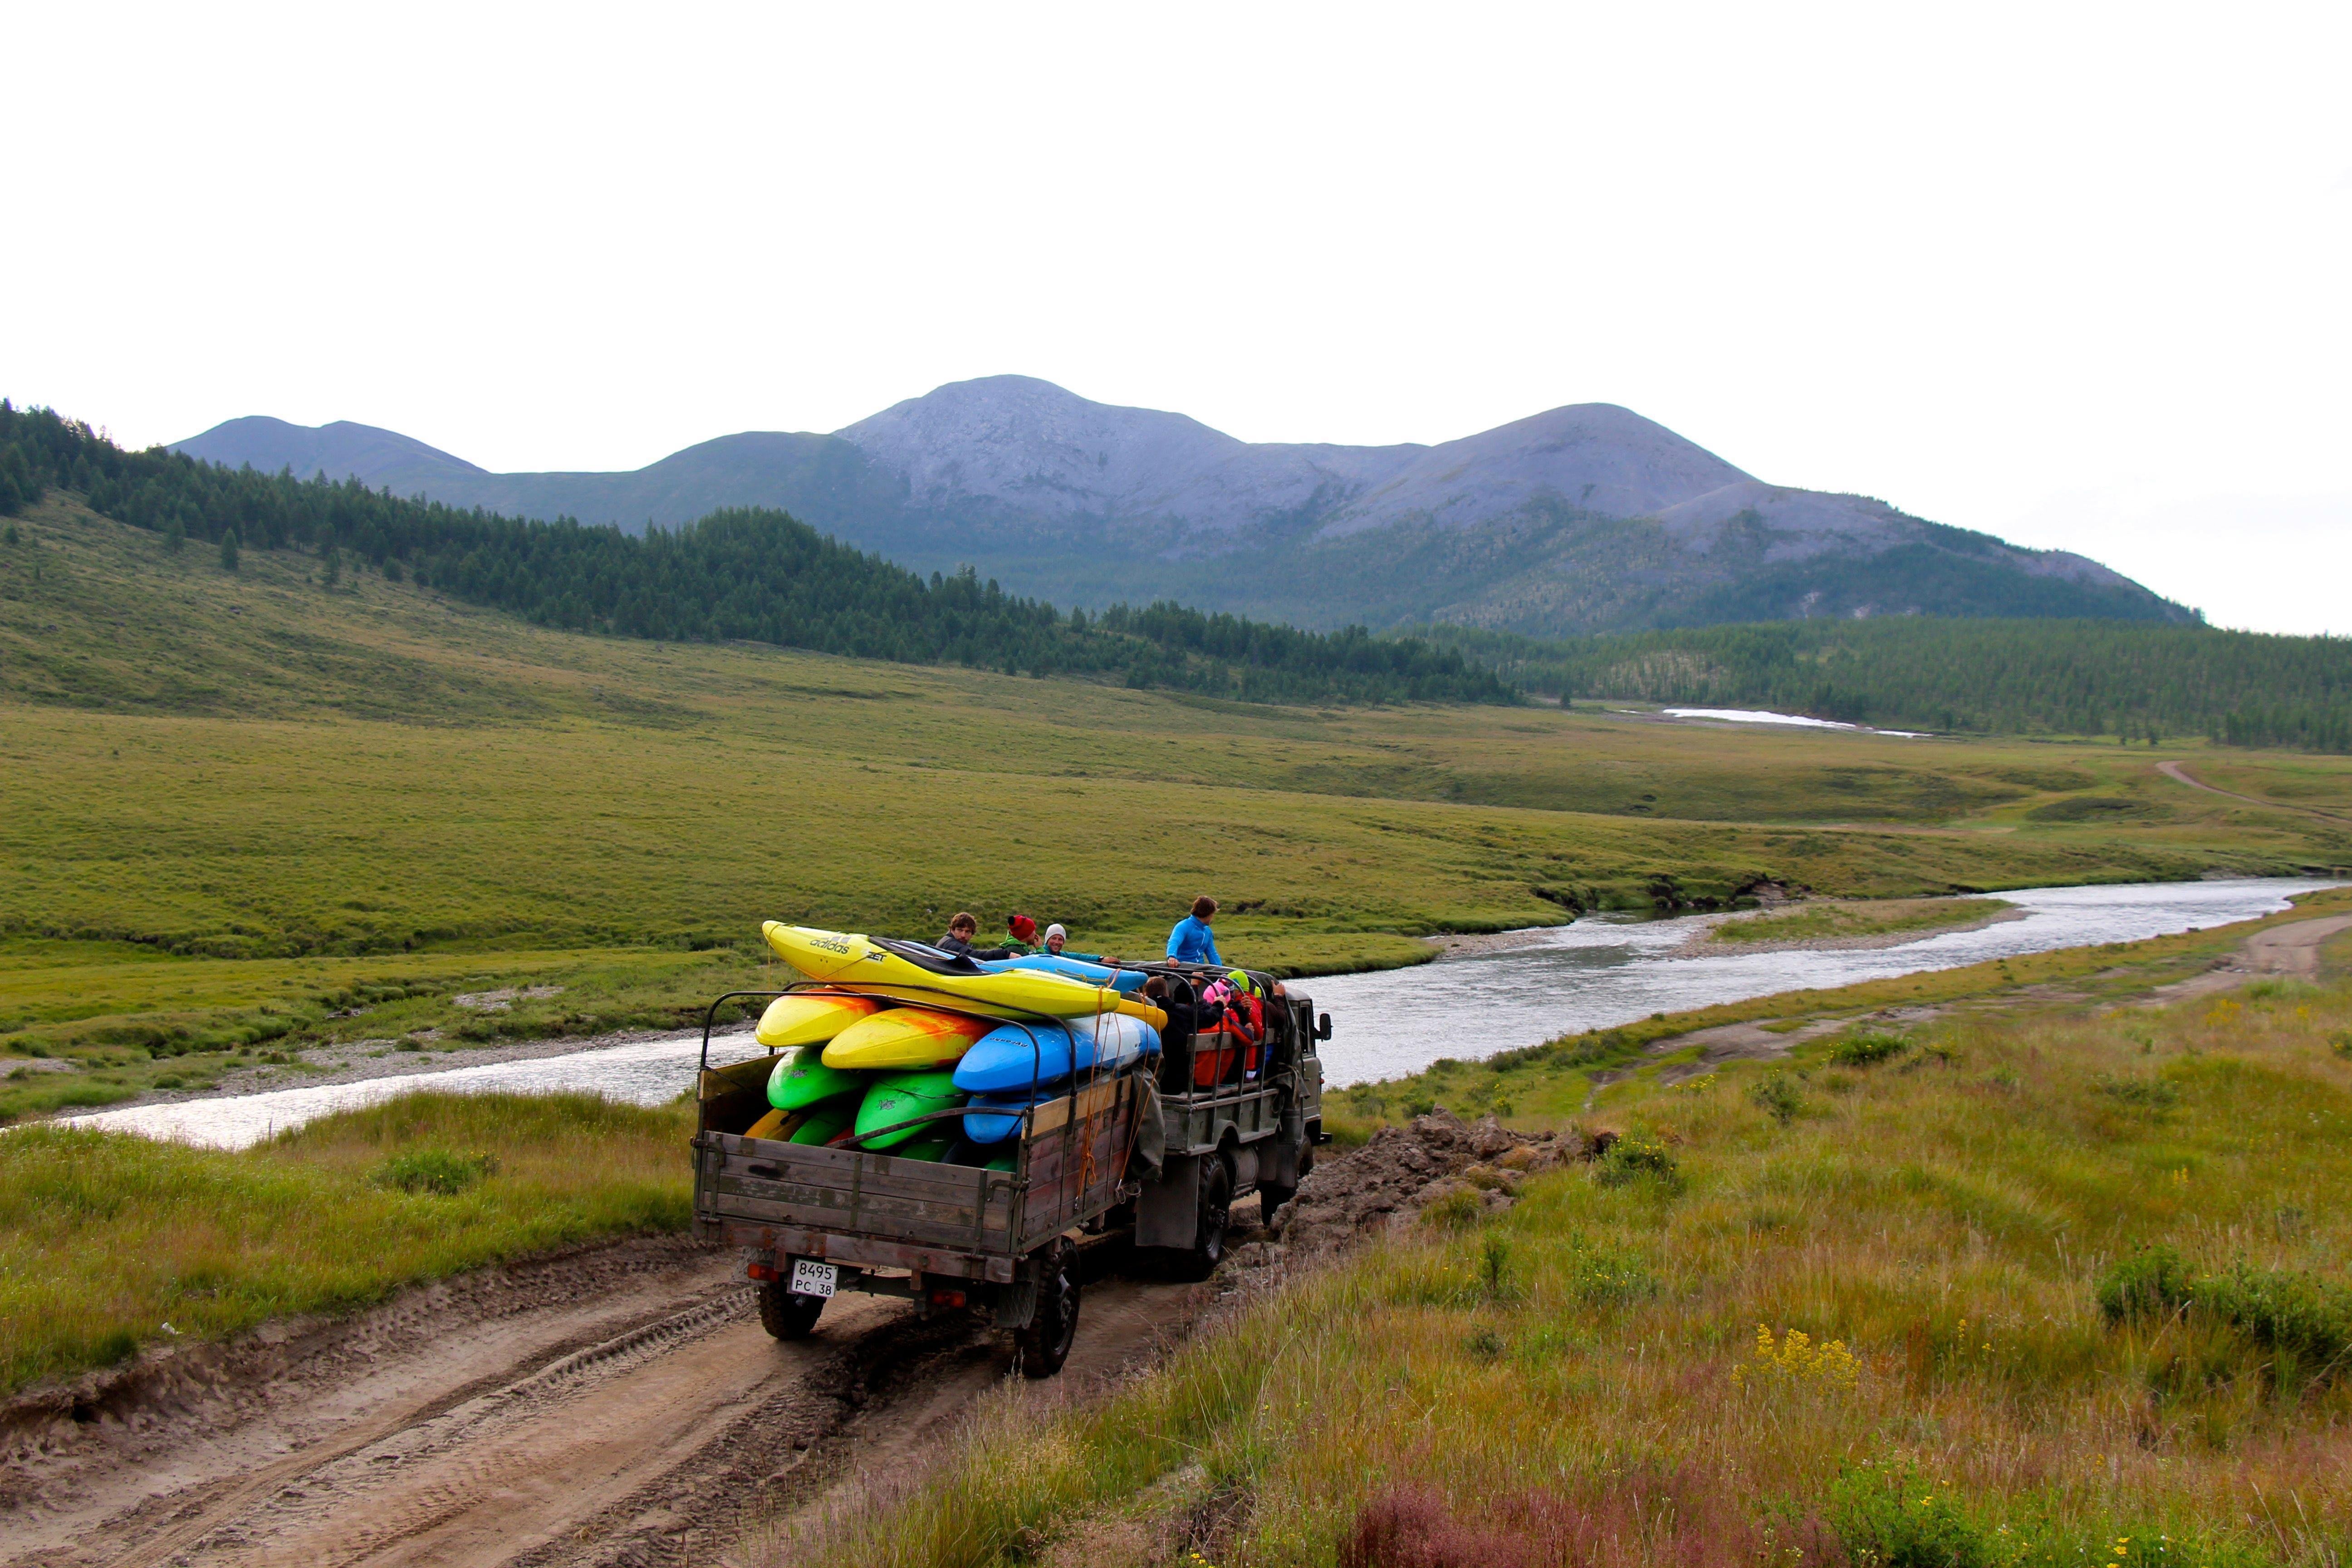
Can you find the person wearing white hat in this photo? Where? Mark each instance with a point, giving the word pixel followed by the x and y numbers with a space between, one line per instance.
pixel 1057 939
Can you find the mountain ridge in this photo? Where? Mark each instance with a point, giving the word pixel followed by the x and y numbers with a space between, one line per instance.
pixel 1583 518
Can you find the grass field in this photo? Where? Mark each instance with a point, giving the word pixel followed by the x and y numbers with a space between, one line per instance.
pixel 1836 922
pixel 241 812
pixel 2044 1285
pixel 105 1237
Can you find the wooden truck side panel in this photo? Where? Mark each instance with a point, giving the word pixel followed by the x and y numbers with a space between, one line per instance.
pixel 864 1206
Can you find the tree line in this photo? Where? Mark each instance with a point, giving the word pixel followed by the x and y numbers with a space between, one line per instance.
pixel 2136 681
pixel 740 575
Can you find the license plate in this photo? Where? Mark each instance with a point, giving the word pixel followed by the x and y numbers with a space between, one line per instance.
pixel 811 1277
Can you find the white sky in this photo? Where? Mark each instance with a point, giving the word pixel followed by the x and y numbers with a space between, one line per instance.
pixel 2075 275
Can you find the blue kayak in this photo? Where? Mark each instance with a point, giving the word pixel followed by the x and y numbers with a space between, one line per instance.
pixel 1013 1057
pixel 993 1118
pixel 1124 980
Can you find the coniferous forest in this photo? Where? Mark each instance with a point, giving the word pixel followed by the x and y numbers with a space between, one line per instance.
pixel 736 575
pixel 2132 679
pixel 763 577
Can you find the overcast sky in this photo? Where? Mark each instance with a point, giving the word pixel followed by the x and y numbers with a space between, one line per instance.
pixel 2075 275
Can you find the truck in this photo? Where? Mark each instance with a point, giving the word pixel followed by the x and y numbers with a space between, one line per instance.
pixel 1158 1154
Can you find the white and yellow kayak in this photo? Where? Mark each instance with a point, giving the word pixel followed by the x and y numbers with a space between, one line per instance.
pixel 910 971
pixel 811 1018
pixel 905 1039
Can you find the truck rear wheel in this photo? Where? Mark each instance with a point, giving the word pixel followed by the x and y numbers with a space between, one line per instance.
pixel 786 1315
pixel 1046 1343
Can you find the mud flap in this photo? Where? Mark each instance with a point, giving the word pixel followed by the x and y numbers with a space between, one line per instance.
pixel 1169 1212
pixel 1017 1303
pixel 1278 1166
pixel 1150 1145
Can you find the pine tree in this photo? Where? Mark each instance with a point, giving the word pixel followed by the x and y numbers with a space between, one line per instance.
pixel 228 550
pixel 334 566
pixel 175 538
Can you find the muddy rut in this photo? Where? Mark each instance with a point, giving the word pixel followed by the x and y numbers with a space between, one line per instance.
pixel 620 1404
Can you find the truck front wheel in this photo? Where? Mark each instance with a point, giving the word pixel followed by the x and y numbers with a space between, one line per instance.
pixel 786 1315
pixel 1046 1343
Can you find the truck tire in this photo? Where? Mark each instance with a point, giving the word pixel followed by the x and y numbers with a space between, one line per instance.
pixel 786 1315
pixel 1200 1260
pixel 1046 1343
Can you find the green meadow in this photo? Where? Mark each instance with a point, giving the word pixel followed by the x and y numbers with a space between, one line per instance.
pixel 245 812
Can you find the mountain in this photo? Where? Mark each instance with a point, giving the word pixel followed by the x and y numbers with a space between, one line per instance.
pixel 1586 518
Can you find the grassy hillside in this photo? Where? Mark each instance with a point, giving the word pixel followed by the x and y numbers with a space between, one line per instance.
pixel 745 572
pixel 2036 1285
pixel 238 803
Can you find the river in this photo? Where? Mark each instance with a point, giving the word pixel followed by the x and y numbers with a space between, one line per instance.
pixel 1601 971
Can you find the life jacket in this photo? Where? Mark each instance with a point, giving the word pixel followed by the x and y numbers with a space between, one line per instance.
pixel 1226 1046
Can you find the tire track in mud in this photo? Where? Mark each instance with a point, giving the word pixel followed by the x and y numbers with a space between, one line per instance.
pixel 587 1413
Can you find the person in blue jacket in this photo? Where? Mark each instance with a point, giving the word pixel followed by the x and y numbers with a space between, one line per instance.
pixel 1192 941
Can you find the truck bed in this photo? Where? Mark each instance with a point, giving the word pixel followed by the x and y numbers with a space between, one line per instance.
pixel 872 1210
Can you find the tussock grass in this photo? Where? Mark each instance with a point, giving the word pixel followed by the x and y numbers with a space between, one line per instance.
pixel 104 1238
pixel 1872 1333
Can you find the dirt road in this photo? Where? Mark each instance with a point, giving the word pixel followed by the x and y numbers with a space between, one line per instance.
pixel 2286 952
pixel 618 1405
pixel 2179 774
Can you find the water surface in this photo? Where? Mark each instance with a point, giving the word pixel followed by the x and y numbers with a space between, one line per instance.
pixel 645 1073
pixel 1612 969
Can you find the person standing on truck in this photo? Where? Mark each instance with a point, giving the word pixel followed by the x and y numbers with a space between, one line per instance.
pixel 1192 940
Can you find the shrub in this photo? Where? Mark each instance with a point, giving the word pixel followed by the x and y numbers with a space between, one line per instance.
pixel 2155 1094
pixel 2151 1283
pixel 1603 1275
pixel 1495 1269
pixel 442 1171
pixel 1777 1098
pixel 1888 1517
pixel 2304 1321
pixel 1631 1157
pixel 1868 1048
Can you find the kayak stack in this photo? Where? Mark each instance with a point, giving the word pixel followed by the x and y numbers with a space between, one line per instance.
pixel 904 1032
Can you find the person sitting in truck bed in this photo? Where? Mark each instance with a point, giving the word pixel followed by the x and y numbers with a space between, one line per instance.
pixel 961 931
pixel 1058 942
pixel 1192 940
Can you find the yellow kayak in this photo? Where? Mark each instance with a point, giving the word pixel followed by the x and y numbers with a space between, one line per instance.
pixel 905 1037
pixel 910 971
pixel 810 1020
